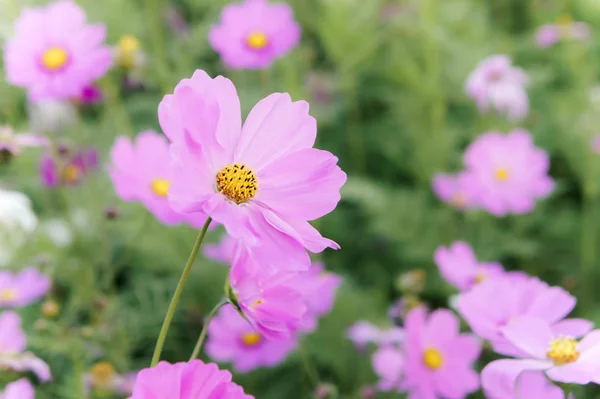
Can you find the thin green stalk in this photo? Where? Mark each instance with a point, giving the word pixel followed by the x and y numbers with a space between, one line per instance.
pixel 204 331
pixel 311 372
pixel 177 294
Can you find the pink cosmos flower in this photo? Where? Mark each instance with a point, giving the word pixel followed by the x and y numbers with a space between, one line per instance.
pixel 595 144
pixel 58 61
pixel 23 288
pixel 247 178
pixel 550 34
pixel 388 364
pixel 530 385
pixel 487 316
pixel 15 143
pixel 232 339
pixel 20 389
pixel 192 380
pixel 459 267
pixel 253 33
pixel 70 171
pixel 561 358
pixel 221 252
pixel 12 348
pixel 140 172
pixel 318 288
pixel 507 173
pixel 496 83
pixel 271 302
pixel 438 357
pixel 364 332
pixel 453 190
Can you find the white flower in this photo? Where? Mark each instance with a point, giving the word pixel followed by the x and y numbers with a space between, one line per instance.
pixel 17 223
pixel 51 116
pixel 59 232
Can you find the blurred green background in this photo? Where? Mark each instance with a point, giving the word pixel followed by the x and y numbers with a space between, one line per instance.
pixel 385 81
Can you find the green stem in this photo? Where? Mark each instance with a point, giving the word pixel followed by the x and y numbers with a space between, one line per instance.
pixel 177 294
pixel 155 19
pixel 311 372
pixel 204 331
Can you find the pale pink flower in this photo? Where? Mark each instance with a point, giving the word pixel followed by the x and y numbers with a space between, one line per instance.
pixel 550 34
pixel 252 34
pixel 496 83
pixel 247 178
pixel 495 304
pixel 140 172
pixel 388 364
pixel 232 339
pixel 453 190
pixel 270 302
pixel 58 61
pixel 23 288
pixel 12 348
pixel 20 389
pixel 364 332
pixel 529 385
pixel 192 380
pixel 459 267
pixel 15 143
pixel 507 172
pixel 561 358
pixel 438 358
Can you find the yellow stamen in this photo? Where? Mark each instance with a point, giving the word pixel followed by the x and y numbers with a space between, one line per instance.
pixel 480 277
pixel 54 58
pixel 563 350
pixel 8 294
pixel 257 40
pixel 251 338
pixel 50 308
pixel 564 20
pixel 160 187
pixel 501 174
pixel 237 182
pixel 433 359
pixel 256 303
pixel 71 174
pixel 102 373
pixel 128 48
pixel 459 200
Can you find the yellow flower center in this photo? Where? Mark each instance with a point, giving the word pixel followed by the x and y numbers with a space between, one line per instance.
pixel 501 174
pixel 54 58
pixel 256 303
pixel 433 359
pixel 102 373
pixel 50 308
pixel 257 40
pixel 237 182
pixel 563 350
pixel 128 47
pixel 8 294
pixel 480 277
pixel 160 187
pixel 459 200
pixel 71 173
pixel 251 338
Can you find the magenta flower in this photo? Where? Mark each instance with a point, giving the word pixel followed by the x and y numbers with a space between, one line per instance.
pixel 252 34
pixel 232 339
pixel 90 95
pixel 459 267
pixel 364 332
pixel 140 172
pixel 15 143
pixel 507 173
pixel 438 357
pixel 58 61
pixel 453 190
pixel 221 252
pixel 12 348
pixel 496 83
pixel 562 358
pixel 247 178
pixel 20 389
pixel 69 171
pixel 550 34
pixel 24 288
pixel 192 380
pixel 388 364
pixel 530 385
pixel 318 288
pixel 271 302
pixel 487 316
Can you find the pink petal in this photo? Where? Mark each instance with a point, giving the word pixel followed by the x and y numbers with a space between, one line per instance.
pixel 572 328
pixel 498 378
pixel 530 334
